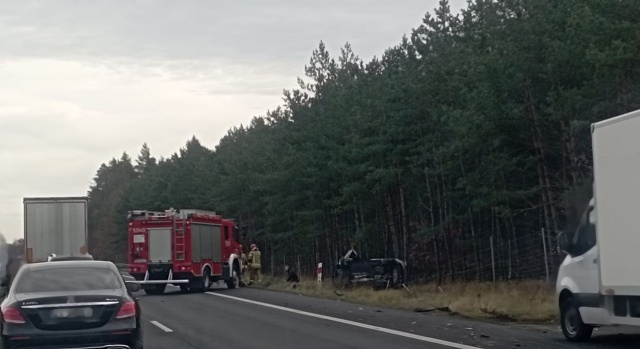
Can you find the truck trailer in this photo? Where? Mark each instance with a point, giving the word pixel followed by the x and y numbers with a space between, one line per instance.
pixel 186 248
pixel 54 226
pixel 598 282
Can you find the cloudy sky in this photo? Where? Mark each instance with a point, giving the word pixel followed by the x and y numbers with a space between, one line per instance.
pixel 83 81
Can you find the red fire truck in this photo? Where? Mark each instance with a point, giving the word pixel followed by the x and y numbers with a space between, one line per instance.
pixel 186 248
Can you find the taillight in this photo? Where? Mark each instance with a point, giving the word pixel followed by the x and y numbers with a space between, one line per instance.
pixel 127 310
pixel 12 316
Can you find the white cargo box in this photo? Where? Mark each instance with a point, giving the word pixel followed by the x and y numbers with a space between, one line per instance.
pixel 616 162
pixel 55 226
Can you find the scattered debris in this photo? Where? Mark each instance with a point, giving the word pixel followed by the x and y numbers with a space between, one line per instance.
pixel 408 290
pixel 484 336
pixel 338 293
pixel 498 315
pixel 423 310
pixel 378 311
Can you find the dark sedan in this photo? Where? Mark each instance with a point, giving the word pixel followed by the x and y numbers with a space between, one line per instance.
pixel 70 304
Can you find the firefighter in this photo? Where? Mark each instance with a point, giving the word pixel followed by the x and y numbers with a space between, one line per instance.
pixel 254 264
pixel 243 265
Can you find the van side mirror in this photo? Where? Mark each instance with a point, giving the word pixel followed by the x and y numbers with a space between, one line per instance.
pixel 563 243
pixel 132 286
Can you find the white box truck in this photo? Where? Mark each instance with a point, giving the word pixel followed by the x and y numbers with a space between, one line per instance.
pixel 599 280
pixel 55 226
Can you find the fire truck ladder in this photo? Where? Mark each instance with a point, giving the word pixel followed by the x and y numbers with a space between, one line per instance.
pixel 178 230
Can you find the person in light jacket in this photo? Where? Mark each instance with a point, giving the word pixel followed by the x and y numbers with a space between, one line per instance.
pixel 254 264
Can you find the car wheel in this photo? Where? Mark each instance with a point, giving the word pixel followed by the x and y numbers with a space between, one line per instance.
pixel 571 322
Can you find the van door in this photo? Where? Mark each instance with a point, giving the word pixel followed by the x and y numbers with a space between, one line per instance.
pixel 583 266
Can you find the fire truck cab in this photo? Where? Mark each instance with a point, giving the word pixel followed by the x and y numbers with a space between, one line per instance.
pixel 185 248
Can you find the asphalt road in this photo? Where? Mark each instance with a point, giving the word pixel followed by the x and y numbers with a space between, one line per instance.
pixel 251 318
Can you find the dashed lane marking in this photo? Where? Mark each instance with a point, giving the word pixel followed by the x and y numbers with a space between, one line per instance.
pixel 161 326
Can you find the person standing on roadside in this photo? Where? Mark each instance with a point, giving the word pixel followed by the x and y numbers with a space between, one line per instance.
pixel 254 264
pixel 243 265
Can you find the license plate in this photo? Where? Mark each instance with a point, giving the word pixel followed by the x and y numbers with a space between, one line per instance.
pixel 72 312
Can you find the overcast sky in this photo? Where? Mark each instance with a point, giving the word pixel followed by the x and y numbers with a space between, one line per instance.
pixel 83 81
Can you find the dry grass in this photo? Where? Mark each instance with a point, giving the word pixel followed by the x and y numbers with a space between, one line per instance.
pixel 525 301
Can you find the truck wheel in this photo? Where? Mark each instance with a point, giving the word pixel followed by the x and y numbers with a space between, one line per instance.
pixel 205 281
pixel 184 287
pixel 235 278
pixel 571 322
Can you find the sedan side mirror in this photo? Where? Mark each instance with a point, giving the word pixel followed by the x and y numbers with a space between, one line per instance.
pixel 132 286
pixel 563 243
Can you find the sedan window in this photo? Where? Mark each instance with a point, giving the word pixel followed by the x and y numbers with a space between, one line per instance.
pixel 67 279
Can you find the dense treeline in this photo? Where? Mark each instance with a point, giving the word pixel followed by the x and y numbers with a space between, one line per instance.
pixel 457 144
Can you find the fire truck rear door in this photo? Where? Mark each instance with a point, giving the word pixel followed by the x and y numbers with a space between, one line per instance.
pixel 159 245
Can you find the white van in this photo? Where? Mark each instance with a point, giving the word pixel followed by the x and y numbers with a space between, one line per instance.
pixel 599 281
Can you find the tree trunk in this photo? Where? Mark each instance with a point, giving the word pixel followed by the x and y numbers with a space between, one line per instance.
pixel 392 227
pixel 405 234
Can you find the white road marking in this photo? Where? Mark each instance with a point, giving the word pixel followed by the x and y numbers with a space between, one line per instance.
pixel 352 323
pixel 161 326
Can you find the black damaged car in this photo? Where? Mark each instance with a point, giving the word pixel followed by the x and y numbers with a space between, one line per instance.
pixel 70 304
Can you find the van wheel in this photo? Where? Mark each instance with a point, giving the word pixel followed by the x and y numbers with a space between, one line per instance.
pixel 571 322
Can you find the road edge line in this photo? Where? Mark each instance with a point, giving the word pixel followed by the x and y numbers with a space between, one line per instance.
pixel 352 323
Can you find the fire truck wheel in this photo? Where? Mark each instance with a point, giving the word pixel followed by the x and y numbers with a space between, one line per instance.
pixel 205 281
pixel 184 287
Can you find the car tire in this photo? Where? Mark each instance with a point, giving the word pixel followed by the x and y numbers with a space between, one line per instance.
pixel 571 322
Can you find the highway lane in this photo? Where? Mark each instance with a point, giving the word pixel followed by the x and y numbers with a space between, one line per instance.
pixel 248 318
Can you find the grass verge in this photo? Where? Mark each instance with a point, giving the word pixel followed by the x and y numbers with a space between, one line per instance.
pixel 524 301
